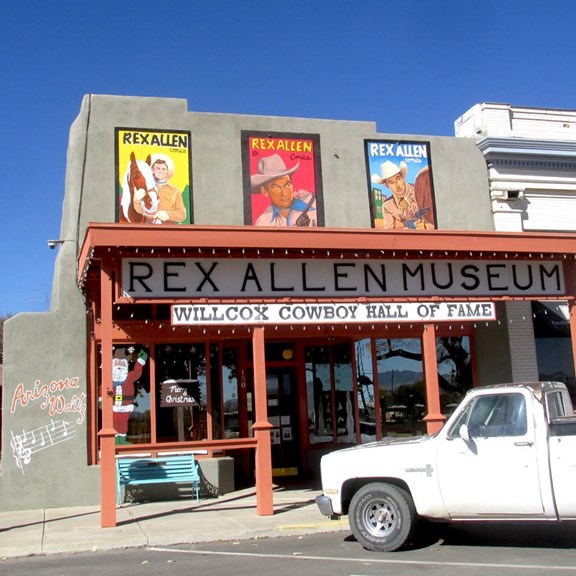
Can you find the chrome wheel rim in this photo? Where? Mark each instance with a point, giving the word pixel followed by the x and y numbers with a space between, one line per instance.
pixel 380 518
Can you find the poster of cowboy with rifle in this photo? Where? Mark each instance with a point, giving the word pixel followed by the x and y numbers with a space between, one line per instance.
pixel 282 181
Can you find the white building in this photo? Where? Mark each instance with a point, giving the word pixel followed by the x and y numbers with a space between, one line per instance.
pixel 531 158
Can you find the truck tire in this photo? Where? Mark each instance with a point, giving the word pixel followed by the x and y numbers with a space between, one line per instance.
pixel 382 517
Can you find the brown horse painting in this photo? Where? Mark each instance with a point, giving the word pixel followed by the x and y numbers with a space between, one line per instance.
pixel 138 177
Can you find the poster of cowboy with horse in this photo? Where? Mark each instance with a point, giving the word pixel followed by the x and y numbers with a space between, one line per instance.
pixel 400 185
pixel 153 177
pixel 282 179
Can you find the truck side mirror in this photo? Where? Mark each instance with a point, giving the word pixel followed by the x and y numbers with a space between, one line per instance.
pixel 463 433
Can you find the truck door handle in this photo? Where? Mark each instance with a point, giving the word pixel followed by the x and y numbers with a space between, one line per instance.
pixel 523 443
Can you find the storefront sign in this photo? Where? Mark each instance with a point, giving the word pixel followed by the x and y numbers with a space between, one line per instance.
pixel 332 313
pixel 268 278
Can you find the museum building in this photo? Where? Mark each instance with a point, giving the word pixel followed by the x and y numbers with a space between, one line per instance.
pixel 261 290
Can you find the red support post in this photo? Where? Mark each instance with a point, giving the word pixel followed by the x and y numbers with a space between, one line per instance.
pixel 264 491
pixel 107 434
pixel 434 418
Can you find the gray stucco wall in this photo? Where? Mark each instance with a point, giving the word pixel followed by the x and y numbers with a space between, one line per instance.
pixel 492 350
pixel 460 176
pixel 44 436
pixel 51 347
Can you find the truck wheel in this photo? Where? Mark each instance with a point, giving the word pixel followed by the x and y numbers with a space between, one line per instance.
pixel 382 517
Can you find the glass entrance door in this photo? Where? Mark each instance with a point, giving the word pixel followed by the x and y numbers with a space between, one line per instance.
pixel 282 396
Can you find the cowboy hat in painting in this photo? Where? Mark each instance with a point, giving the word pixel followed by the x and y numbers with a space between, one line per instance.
pixel 389 169
pixel 270 168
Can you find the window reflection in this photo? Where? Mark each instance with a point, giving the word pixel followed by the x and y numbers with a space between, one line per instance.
pixel 230 393
pixel 401 386
pixel 330 394
pixel 318 388
pixel 401 380
pixel 454 371
pixel 365 382
pixel 215 391
pixel 343 394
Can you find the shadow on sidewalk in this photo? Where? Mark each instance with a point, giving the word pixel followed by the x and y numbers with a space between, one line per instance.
pixel 286 499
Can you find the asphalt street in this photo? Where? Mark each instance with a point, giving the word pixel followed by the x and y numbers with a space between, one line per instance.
pixel 470 550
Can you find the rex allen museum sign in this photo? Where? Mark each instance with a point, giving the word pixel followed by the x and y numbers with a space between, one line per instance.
pixel 325 279
pixel 267 278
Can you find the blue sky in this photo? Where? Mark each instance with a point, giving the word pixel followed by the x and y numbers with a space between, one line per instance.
pixel 412 66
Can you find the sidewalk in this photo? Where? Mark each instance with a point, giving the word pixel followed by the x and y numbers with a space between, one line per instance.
pixel 229 517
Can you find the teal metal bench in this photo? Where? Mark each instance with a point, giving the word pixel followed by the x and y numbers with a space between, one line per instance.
pixel 160 470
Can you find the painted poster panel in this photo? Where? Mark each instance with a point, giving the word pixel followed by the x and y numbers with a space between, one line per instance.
pixel 400 185
pixel 153 176
pixel 282 179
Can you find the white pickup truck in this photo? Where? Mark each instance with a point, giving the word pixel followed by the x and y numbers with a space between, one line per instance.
pixel 508 452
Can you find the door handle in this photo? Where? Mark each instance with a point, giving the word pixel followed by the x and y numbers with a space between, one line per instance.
pixel 524 443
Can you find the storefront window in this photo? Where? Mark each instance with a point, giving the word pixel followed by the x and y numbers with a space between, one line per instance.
pixel 131 400
pixel 553 343
pixel 344 392
pixel 181 395
pixel 215 391
pixel 230 393
pixel 454 371
pixel 365 382
pixel 318 386
pixel 401 384
pixel 330 394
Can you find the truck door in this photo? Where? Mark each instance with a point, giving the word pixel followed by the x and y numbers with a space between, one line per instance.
pixel 562 446
pixel 494 472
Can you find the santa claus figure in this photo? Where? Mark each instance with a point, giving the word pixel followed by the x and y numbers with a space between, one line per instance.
pixel 123 380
